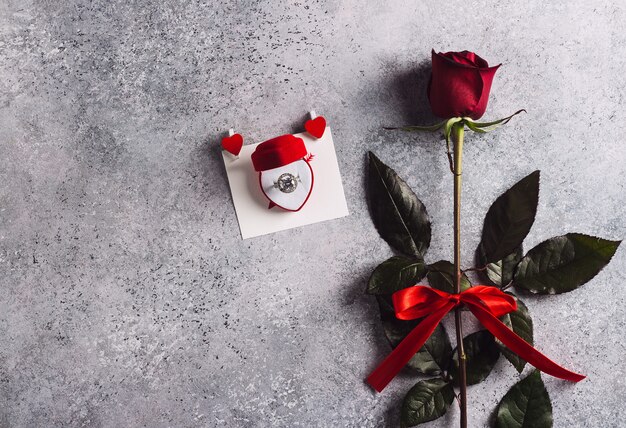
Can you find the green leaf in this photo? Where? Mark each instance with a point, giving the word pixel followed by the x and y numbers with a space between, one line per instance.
pixel 432 358
pixel 526 405
pixel 416 128
pixel 521 323
pixel 500 273
pixel 395 274
pixel 426 401
pixel 482 353
pixel 563 263
pixel 484 127
pixel 399 216
pixel 441 276
pixel 509 220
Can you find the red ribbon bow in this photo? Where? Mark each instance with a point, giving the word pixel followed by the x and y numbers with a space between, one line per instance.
pixel 486 303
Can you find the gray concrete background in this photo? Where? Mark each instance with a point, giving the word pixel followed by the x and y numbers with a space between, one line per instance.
pixel 127 296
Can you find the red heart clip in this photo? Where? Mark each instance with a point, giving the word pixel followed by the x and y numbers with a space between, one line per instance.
pixel 316 127
pixel 233 144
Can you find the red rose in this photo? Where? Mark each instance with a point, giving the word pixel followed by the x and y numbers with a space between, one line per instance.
pixel 459 84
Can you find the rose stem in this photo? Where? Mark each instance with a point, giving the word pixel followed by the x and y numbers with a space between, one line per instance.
pixel 458 132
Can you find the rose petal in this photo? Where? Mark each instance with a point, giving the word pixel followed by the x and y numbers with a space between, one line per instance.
pixel 480 62
pixel 487 75
pixel 465 57
pixel 455 89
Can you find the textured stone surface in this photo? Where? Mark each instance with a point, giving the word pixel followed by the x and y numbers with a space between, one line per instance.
pixel 127 296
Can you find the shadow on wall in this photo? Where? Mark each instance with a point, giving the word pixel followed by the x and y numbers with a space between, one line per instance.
pixel 208 164
pixel 410 88
pixel 297 126
pixel 405 93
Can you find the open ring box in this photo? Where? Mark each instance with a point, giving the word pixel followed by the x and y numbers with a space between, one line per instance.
pixel 285 182
pixel 285 175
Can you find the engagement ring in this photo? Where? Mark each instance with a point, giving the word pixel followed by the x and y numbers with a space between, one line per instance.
pixel 287 182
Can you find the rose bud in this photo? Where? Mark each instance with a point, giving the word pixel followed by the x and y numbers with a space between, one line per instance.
pixel 459 84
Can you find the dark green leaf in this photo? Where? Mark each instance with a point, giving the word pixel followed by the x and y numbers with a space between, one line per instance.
pixel 395 329
pixel 483 127
pixel 564 263
pixel 441 276
pixel 521 323
pixel 500 273
pixel 399 216
pixel 386 307
pixel 426 401
pixel 482 354
pixel 432 358
pixel 509 220
pixel 395 274
pixel 526 405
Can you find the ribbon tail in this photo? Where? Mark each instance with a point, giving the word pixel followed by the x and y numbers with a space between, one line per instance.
pixel 522 348
pixel 397 359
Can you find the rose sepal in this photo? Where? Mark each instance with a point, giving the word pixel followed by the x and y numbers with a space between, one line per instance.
pixel 418 128
pixel 484 127
pixel 447 128
pixel 448 125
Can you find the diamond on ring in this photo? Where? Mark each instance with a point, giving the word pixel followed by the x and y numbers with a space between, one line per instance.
pixel 287 182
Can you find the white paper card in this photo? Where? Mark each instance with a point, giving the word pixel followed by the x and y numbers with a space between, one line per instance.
pixel 327 200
